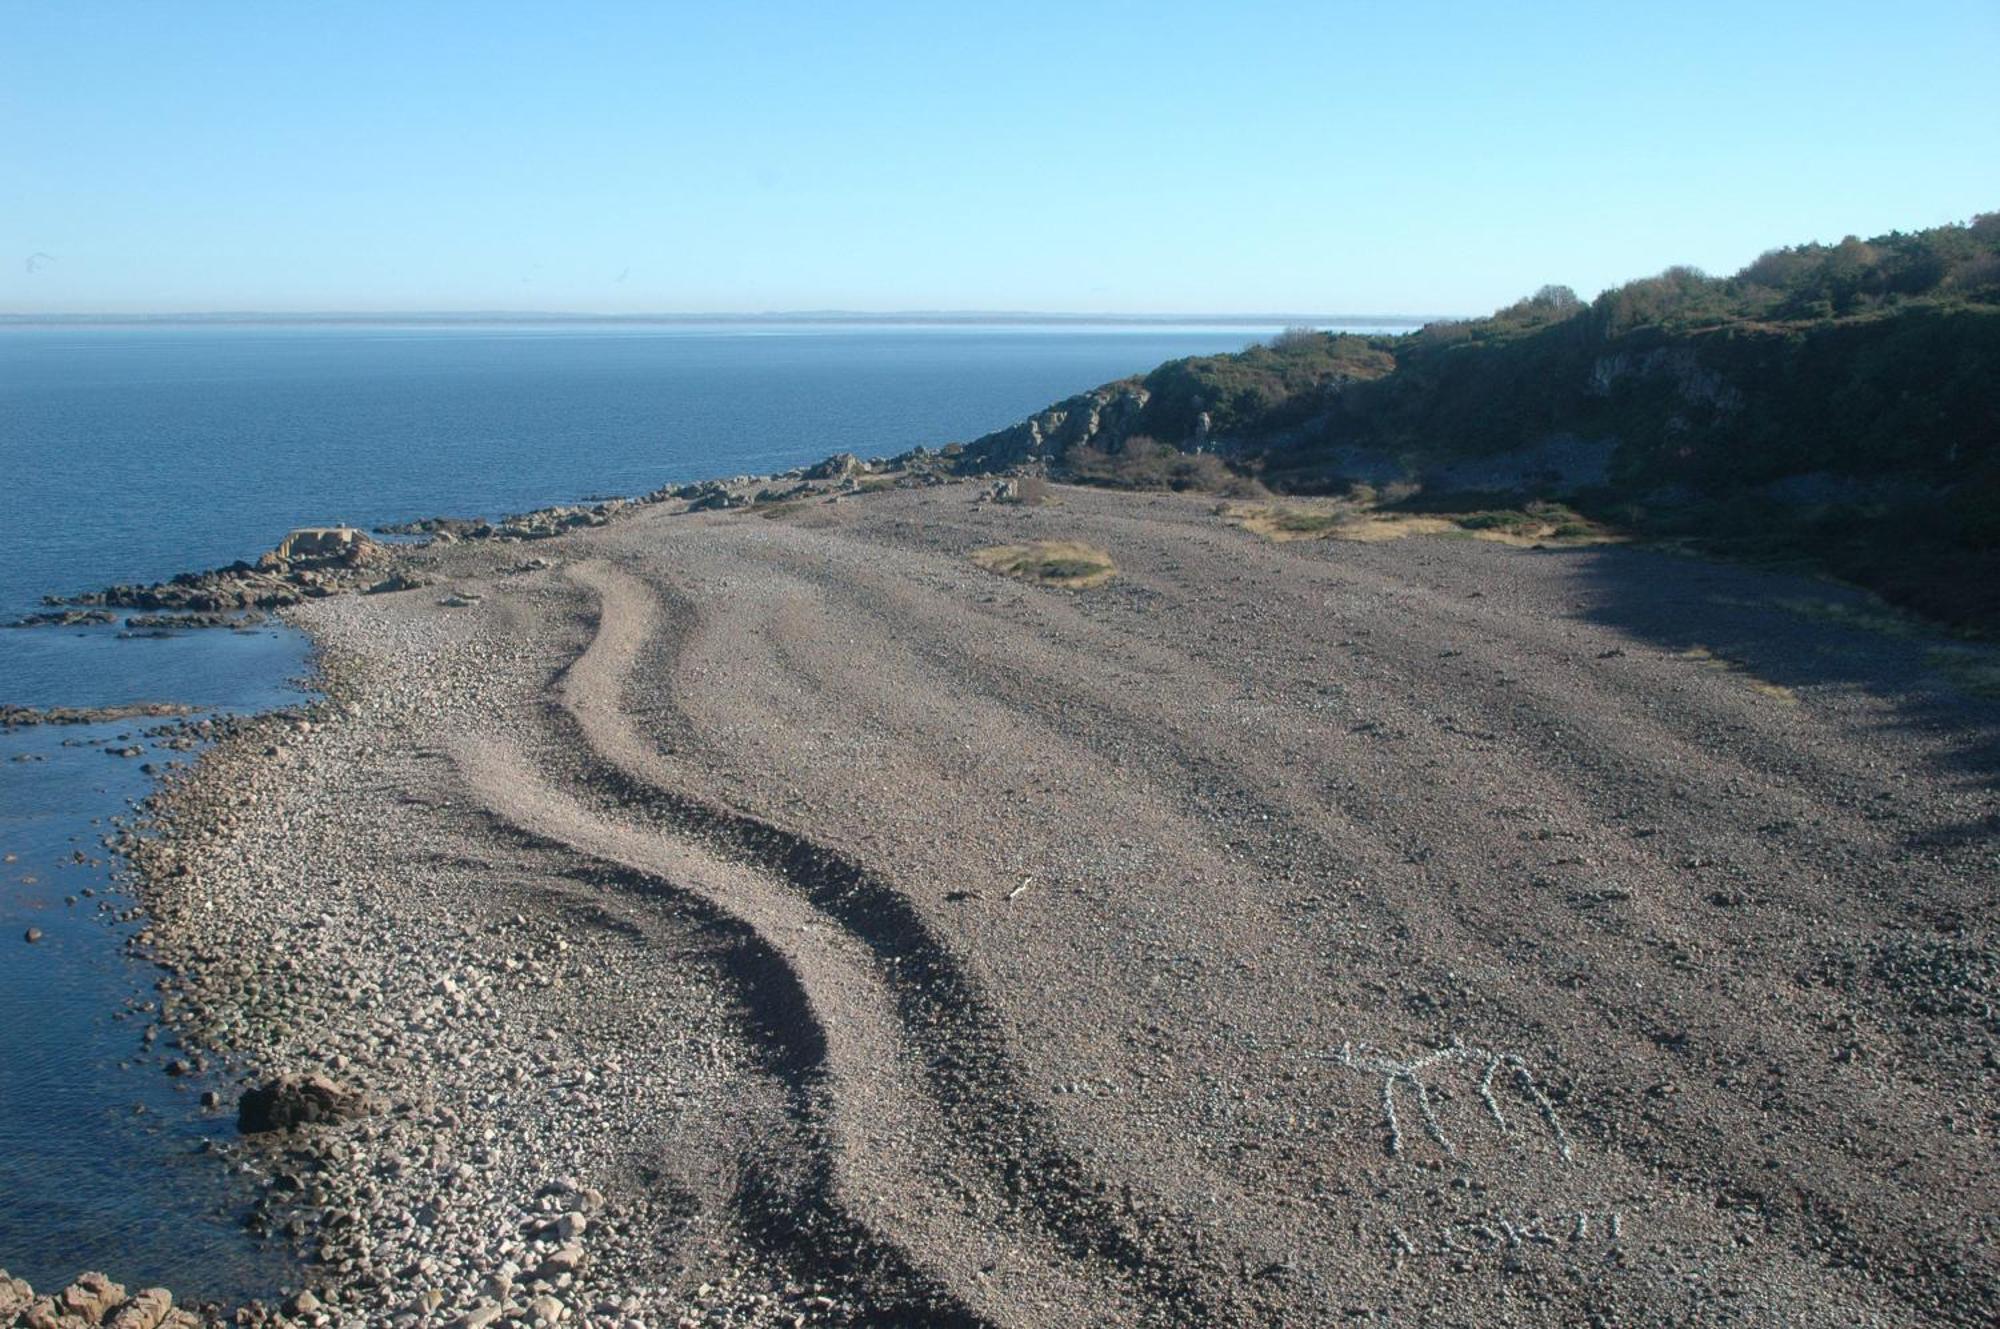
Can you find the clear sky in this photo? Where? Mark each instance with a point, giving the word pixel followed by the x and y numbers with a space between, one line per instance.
pixel 1214 157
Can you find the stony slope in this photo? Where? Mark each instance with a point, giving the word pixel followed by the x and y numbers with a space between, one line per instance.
pixel 1292 933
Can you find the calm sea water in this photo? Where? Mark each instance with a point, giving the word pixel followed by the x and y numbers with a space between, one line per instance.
pixel 129 454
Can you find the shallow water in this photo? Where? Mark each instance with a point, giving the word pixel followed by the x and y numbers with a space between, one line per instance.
pixel 133 453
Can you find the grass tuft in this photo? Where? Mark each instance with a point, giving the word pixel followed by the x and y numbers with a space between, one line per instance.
pixel 1066 563
pixel 1537 524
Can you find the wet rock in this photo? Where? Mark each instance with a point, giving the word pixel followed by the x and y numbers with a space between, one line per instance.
pixel 64 618
pixel 161 623
pixel 32 935
pixel 21 717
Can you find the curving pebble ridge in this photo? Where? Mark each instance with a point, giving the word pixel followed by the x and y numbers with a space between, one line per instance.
pixel 745 921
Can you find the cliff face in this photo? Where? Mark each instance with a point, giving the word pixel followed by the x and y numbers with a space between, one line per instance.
pixel 1867 445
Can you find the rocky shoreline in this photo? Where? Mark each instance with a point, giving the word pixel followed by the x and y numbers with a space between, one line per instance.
pixel 339 1136
pixel 564 978
pixel 93 1299
pixel 315 562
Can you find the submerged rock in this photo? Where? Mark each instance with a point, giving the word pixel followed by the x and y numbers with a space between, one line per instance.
pixel 64 618
pixel 17 717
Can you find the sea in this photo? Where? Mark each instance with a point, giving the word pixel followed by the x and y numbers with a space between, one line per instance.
pixel 132 452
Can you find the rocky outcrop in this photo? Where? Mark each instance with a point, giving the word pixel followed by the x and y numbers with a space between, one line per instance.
pixel 540 524
pixel 840 466
pixel 1695 383
pixel 308 563
pixel 1102 418
pixel 321 546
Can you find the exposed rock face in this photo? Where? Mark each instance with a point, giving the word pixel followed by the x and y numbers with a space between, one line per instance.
pixel 1695 384
pixel 290 1101
pixel 1101 418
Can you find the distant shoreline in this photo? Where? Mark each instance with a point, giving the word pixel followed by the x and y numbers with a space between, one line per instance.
pixel 923 318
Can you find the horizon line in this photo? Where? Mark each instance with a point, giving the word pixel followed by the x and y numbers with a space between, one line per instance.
pixel 938 316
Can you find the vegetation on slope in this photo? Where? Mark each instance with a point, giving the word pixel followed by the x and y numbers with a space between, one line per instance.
pixel 1837 406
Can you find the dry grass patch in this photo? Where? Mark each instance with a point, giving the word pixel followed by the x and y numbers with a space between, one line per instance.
pixel 1539 524
pixel 1279 521
pixel 1536 524
pixel 1067 563
pixel 1376 527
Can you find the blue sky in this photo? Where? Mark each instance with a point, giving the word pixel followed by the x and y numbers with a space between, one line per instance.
pixel 1328 157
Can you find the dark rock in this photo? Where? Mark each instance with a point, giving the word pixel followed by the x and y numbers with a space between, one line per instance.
pixel 173 622
pixel 290 1101
pixel 16 717
pixel 64 618
pixel 397 581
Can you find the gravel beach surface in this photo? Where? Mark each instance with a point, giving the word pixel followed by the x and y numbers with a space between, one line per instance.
pixel 772 916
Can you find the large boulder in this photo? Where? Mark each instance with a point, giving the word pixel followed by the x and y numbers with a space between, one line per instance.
pixel 147 1310
pixel 90 1298
pixel 15 1295
pixel 290 1101
pixel 840 466
pixel 314 546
